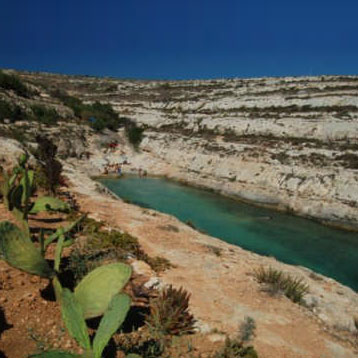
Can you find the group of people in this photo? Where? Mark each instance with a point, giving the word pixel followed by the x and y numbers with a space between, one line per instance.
pixel 117 169
pixel 113 168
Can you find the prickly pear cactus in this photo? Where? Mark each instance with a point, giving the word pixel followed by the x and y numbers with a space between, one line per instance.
pixel 18 251
pixel 73 319
pixel 15 195
pixel 96 289
pixel 27 182
pixel 23 224
pixel 110 322
pixel 5 189
pixel 47 203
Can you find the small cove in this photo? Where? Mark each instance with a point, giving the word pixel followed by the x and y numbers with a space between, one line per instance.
pixel 290 239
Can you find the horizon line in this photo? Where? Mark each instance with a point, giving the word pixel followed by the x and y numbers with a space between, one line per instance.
pixel 49 72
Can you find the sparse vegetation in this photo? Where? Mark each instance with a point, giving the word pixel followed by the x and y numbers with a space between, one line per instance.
pixel 143 345
pixel 80 264
pixel 11 112
pixel 237 346
pixel 45 115
pixel 13 83
pixel 278 282
pixel 98 115
pixel 121 244
pixel 247 329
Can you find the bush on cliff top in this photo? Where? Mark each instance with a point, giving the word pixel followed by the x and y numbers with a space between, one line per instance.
pixel 12 82
pixel 102 115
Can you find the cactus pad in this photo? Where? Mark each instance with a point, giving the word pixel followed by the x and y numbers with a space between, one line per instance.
pixel 73 318
pixel 96 289
pixel 19 251
pixel 111 321
pixel 47 203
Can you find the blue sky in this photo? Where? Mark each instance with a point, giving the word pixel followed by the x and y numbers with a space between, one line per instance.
pixel 180 39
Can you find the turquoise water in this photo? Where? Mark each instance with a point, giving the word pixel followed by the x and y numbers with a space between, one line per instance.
pixel 290 239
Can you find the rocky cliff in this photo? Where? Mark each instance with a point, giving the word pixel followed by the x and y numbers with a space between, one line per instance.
pixel 288 143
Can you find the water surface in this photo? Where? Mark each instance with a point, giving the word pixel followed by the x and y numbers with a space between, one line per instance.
pixel 290 239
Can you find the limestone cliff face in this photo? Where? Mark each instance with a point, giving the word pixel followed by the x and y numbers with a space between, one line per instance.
pixel 290 143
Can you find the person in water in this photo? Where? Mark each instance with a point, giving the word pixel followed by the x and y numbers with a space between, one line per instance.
pixel 119 169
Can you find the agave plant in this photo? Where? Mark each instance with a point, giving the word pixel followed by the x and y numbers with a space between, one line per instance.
pixel 169 313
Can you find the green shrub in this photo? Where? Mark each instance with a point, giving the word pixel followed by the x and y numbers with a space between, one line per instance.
pixel 134 134
pixel 5 110
pixel 157 263
pixel 121 244
pixel 45 115
pixel 142 344
pixel 73 102
pixel 247 329
pixel 103 114
pixel 234 348
pixel 12 82
pixel 12 112
pixel 144 347
pixel 292 287
pixel 80 263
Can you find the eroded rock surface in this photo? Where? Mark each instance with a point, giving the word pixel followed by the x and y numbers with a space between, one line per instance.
pixel 290 143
